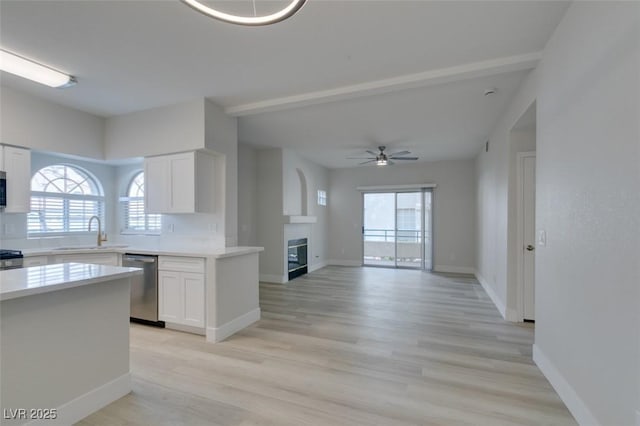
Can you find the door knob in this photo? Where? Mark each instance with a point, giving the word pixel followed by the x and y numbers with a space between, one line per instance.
pixel 530 248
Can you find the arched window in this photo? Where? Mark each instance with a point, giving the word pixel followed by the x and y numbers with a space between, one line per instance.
pixel 63 198
pixel 135 219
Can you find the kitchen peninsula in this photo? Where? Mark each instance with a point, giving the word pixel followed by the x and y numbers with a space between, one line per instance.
pixel 64 332
pixel 212 292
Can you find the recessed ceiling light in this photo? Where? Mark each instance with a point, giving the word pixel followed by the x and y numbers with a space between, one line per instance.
pixel 25 68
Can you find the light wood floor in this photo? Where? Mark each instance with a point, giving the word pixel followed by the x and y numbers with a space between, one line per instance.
pixel 346 346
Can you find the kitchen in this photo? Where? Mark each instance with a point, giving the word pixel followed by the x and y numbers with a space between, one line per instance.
pixel 196 277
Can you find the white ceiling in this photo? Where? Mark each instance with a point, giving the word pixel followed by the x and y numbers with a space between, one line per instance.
pixel 133 55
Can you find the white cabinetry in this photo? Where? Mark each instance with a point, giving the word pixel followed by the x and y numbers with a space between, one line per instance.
pixel 181 285
pixel 17 163
pixel 34 261
pixel 110 259
pixel 179 183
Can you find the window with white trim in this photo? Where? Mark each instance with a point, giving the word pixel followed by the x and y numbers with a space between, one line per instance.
pixel 63 199
pixel 135 219
pixel 322 197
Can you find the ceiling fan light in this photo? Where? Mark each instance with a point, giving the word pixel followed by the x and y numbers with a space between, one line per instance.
pixel 381 162
pixel 273 18
pixel 25 68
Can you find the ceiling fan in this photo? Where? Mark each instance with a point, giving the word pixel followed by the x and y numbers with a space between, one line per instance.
pixel 382 159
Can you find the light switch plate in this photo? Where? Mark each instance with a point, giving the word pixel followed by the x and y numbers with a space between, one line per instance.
pixel 542 238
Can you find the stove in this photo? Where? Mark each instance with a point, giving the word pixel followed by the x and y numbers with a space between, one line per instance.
pixel 10 259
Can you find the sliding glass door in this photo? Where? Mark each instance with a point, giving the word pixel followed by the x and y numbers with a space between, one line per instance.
pixel 397 229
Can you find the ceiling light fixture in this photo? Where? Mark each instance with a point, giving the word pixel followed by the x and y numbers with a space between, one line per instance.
pixel 25 68
pixel 273 18
pixel 381 162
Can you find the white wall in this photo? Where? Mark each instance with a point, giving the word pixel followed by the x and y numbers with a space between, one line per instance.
pixel 155 131
pixel 494 170
pixel 269 211
pixel 38 124
pixel 317 177
pixel 454 210
pixel 221 136
pixel 588 202
pixel 247 195
pixel 278 194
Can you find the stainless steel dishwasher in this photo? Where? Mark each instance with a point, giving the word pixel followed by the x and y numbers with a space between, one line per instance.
pixel 144 288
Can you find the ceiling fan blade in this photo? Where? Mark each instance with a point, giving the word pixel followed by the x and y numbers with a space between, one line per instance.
pixel 367 162
pixel 360 158
pixel 405 158
pixel 400 153
pixel 375 154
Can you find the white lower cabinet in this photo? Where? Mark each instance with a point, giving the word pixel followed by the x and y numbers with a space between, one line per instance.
pixel 34 261
pixel 110 259
pixel 181 291
pixel 170 294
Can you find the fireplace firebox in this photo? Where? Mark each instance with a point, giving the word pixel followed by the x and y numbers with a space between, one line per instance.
pixel 297 257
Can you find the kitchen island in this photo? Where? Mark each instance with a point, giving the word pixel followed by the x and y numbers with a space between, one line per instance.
pixel 64 339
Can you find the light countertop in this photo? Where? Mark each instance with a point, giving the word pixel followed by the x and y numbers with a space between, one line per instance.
pixel 15 283
pixel 218 253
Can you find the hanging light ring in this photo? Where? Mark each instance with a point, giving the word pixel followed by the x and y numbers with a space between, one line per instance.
pixel 272 18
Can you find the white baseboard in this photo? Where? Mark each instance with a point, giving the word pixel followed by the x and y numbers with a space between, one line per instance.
pixel 567 394
pixel 225 330
pixel 185 328
pixel 87 404
pixel 277 279
pixel 317 266
pixel 454 269
pixel 336 262
pixel 492 294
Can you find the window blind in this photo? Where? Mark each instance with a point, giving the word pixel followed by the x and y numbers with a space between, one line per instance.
pixel 62 213
pixel 136 220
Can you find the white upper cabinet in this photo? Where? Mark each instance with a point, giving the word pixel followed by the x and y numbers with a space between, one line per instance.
pixel 179 183
pixel 156 182
pixel 17 163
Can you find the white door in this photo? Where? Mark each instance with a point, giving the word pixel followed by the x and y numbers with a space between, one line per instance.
pixel 529 212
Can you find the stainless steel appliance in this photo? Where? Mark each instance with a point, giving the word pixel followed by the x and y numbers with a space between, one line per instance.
pixel 144 288
pixel 3 190
pixel 10 259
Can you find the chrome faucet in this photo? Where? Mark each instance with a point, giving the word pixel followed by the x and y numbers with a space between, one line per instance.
pixel 101 237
